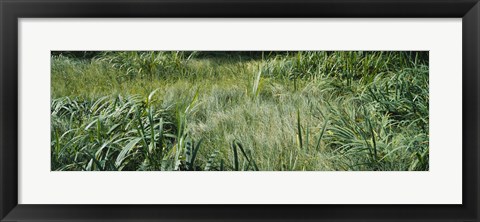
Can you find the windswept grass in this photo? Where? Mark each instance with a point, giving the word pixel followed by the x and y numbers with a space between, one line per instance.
pixel 259 111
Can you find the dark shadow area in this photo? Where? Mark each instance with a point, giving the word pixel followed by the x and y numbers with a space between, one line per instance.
pixel 419 56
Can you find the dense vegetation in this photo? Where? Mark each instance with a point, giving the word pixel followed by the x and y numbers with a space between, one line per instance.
pixel 264 111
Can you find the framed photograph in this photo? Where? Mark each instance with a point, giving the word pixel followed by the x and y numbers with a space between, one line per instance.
pixel 312 110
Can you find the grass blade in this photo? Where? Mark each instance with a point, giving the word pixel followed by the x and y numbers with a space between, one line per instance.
pixel 235 156
pixel 321 135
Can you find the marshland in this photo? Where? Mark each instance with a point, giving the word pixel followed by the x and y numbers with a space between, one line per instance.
pixel 240 111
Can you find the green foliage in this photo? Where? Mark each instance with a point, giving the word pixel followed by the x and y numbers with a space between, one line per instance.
pixel 240 111
pixel 116 133
pixel 148 64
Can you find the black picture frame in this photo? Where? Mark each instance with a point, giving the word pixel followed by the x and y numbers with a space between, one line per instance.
pixel 12 10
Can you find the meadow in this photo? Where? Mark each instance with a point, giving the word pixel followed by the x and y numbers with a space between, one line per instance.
pixel 240 111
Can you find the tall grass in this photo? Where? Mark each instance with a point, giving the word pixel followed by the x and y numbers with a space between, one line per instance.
pixel 238 111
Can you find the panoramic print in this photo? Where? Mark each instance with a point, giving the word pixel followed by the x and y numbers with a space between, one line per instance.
pixel 239 111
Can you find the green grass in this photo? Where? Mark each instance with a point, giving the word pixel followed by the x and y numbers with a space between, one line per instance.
pixel 267 111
